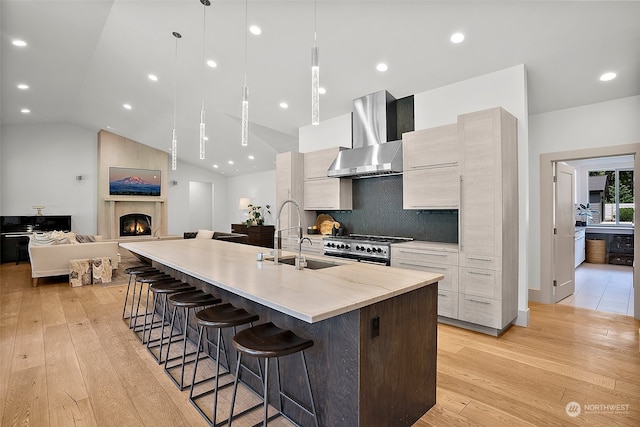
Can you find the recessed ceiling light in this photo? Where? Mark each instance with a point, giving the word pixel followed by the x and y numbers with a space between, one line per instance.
pixel 457 38
pixel 607 76
pixel 25 111
pixel 211 63
pixel 215 166
pixel 322 90
pixel 23 86
pixel 255 30
pixel 127 106
pixel 284 105
pixel 251 157
pixel 230 162
pixel 19 43
pixel 382 67
pixel 153 77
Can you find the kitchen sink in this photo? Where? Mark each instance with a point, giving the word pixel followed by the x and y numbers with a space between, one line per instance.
pixel 312 264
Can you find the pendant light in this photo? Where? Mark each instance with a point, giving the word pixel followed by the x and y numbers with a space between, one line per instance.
pixel 174 138
pixel 315 75
pixel 245 89
pixel 203 133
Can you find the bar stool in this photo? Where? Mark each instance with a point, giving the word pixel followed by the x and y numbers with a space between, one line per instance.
pixel 187 301
pixel 268 341
pixel 148 279
pixel 219 317
pixel 132 272
pixel 163 290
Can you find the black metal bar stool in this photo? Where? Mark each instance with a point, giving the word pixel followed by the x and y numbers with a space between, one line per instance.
pixel 162 290
pixel 186 300
pixel 132 272
pixel 268 341
pixel 219 317
pixel 146 279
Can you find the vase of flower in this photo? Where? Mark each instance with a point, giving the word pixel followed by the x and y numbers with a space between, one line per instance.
pixel 256 215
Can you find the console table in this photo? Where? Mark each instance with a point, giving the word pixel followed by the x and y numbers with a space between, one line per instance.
pixel 259 235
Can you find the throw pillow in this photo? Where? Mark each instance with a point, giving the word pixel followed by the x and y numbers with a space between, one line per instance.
pixel 85 238
pixel 204 234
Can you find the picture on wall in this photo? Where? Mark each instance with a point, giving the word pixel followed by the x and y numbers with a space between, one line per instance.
pixel 134 182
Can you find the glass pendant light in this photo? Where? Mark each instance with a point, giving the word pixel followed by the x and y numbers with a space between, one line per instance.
pixel 203 132
pixel 315 75
pixel 174 137
pixel 245 89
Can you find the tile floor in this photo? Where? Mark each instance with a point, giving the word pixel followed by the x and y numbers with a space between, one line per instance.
pixel 603 287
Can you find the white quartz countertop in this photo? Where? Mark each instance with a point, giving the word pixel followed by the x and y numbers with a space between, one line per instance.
pixel 308 295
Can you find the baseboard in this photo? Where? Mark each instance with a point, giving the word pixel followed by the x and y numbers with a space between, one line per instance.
pixel 524 316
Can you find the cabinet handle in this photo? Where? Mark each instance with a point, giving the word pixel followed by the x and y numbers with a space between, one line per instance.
pixel 423 266
pixel 478 301
pixel 411 253
pixel 479 273
pixel 435 165
pixel 442 295
pixel 476 258
pixel 461 216
pixel 434 206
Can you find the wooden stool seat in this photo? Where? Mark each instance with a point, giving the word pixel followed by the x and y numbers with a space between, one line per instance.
pixel 170 287
pixel 224 316
pixel 138 269
pixel 193 299
pixel 267 340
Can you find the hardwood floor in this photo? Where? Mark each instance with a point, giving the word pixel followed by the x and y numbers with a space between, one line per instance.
pixel 67 358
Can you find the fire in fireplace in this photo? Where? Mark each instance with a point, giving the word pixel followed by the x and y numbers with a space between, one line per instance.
pixel 135 224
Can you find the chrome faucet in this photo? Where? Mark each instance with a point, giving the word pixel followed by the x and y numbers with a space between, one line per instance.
pixel 300 259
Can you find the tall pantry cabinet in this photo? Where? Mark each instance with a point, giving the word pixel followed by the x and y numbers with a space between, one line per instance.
pixel 488 240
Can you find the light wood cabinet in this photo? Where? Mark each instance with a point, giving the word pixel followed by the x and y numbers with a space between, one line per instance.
pixel 488 218
pixel 290 185
pixel 434 257
pixel 431 168
pixel 321 192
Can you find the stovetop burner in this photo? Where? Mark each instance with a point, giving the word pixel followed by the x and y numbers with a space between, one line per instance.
pixel 362 247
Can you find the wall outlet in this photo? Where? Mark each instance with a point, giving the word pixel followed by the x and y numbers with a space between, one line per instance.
pixel 375 326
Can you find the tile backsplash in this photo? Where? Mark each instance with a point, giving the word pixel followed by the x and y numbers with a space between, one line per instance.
pixel 377 210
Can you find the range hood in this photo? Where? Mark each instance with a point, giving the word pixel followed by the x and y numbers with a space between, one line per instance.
pixel 375 148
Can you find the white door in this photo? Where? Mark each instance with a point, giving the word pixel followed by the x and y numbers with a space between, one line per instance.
pixel 564 232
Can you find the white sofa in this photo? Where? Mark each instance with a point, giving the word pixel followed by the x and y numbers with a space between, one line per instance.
pixel 53 260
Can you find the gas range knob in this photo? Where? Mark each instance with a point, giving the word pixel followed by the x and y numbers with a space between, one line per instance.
pixel 341 246
pixel 368 249
pixel 347 246
pixel 357 247
pixel 379 250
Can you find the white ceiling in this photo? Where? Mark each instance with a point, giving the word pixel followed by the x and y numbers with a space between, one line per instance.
pixel 85 58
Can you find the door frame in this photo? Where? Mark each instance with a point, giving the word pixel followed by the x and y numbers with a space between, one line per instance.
pixel 546 213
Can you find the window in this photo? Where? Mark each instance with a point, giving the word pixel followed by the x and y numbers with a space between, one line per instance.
pixel 611 197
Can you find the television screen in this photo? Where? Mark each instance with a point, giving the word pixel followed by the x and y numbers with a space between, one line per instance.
pixel 134 182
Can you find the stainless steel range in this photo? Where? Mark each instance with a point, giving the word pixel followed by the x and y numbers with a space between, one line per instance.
pixel 361 247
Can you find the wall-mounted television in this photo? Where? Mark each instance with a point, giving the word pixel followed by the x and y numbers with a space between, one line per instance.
pixel 134 182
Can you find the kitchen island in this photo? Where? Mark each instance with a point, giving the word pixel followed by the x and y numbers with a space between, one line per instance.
pixel 374 327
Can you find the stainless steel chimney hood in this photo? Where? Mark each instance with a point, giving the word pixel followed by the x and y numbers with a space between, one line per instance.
pixel 374 150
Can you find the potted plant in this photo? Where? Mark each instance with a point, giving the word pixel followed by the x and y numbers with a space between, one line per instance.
pixel 256 214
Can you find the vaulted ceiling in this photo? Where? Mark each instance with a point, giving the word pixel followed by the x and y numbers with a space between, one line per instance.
pixel 85 59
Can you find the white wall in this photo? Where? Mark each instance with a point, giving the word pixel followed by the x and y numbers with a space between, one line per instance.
pixel 507 89
pixel 604 124
pixel 335 132
pixel 259 187
pixel 39 166
pixel 179 201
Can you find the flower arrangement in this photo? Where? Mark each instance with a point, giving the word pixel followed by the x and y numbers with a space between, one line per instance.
pixel 256 215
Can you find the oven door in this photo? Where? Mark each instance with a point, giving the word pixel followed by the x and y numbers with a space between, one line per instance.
pixel 360 258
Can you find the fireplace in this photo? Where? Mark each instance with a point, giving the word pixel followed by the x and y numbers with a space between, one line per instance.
pixel 135 224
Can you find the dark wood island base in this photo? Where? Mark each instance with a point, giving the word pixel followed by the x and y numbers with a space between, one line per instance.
pixel 373 366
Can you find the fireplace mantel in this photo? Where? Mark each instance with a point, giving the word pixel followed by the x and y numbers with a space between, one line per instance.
pixel 135 199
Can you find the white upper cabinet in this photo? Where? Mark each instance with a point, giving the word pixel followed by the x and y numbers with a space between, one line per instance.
pixel 321 192
pixel 431 170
